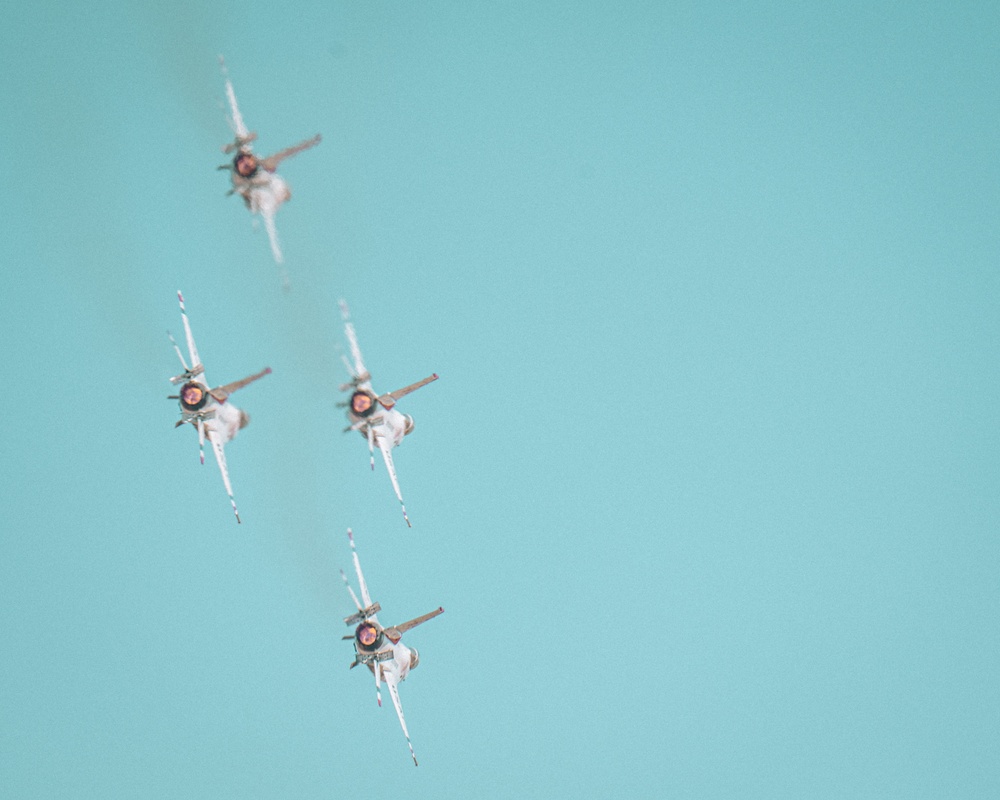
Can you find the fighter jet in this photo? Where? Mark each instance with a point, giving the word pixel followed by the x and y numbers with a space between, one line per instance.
pixel 255 179
pixel 375 416
pixel 209 410
pixel 380 649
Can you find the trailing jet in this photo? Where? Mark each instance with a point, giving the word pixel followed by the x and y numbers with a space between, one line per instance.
pixel 381 649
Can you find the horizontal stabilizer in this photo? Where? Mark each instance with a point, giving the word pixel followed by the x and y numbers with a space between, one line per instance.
pixel 395 633
pixel 389 400
pixel 221 393
pixel 271 162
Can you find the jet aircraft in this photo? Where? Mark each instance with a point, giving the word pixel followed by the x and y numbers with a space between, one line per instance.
pixel 256 179
pixel 373 415
pixel 209 410
pixel 378 648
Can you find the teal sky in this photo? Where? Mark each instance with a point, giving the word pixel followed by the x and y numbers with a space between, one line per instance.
pixel 708 487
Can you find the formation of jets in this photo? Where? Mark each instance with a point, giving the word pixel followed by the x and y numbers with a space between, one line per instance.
pixel 375 416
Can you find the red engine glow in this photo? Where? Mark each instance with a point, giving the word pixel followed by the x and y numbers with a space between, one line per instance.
pixel 367 634
pixel 362 403
pixel 193 396
pixel 245 165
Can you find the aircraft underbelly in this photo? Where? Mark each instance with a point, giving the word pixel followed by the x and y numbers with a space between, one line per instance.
pixel 394 427
pixel 401 660
pixel 266 198
pixel 226 423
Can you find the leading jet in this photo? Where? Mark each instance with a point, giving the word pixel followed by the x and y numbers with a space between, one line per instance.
pixel 209 410
pixel 381 649
pixel 256 179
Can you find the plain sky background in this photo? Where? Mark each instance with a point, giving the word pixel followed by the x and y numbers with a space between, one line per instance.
pixel 708 487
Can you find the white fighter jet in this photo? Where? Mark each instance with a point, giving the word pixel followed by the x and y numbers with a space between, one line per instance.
pixel 380 649
pixel 375 416
pixel 206 409
pixel 255 179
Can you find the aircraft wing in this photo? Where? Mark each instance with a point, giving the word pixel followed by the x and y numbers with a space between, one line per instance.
pixel 365 597
pixel 354 597
pixel 236 119
pixel 352 340
pixel 394 694
pixel 220 458
pixel 386 447
pixel 271 162
pixel 192 349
